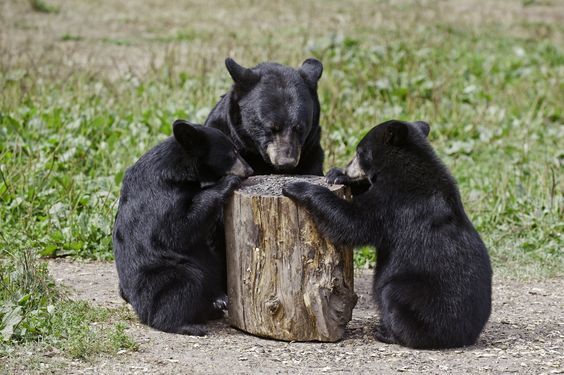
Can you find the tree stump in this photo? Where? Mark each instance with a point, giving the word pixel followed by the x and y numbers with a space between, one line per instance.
pixel 284 280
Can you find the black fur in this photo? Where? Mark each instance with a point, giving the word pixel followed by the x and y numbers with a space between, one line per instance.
pixel 168 236
pixel 269 100
pixel 432 282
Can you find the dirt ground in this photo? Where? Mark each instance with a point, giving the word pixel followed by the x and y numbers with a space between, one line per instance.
pixel 525 335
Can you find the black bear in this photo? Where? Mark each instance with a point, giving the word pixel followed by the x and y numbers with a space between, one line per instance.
pixel 432 282
pixel 168 235
pixel 271 113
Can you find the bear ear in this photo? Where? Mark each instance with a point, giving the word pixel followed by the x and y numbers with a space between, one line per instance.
pixel 190 137
pixel 396 133
pixel 241 75
pixel 311 71
pixel 423 127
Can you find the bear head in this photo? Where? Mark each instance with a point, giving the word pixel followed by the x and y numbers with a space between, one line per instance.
pixel 274 109
pixel 214 153
pixel 387 146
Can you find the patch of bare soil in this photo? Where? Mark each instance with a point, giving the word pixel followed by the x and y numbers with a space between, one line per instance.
pixel 525 335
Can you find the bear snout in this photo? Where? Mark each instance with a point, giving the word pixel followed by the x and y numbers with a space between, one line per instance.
pixel 286 163
pixel 284 152
pixel 241 168
pixel 354 171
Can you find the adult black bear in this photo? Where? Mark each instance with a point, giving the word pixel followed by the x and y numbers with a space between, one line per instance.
pixel 168 234
pixel 432 282
pixel 272 115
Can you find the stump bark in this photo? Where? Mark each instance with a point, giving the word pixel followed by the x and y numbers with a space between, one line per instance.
pixel 284 280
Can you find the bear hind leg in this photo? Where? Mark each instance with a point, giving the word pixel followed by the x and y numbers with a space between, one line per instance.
pixel 183 304
pixel 383 334
pixel 192 330
pixel 401 310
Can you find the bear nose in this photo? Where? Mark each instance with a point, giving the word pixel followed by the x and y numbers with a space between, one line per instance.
pixel 285 163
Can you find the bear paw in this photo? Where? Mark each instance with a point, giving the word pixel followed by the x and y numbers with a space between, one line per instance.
pixel 192 330
pixel 337 176
pixel 220 303
pixel 228 184
pixel 297 190
pixel 383 334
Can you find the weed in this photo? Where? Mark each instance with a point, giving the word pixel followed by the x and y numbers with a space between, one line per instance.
pixel 71 38
pixel 32 310
pixel 42 6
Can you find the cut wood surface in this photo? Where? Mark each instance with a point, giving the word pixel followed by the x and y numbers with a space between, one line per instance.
pixel 285 281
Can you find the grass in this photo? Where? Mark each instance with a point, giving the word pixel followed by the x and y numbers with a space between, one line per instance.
pixel 74 115
pixel 36 314
pixel 494 102
pixel 42 6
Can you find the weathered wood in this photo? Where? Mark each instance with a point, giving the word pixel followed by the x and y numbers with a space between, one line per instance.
pixel 285 281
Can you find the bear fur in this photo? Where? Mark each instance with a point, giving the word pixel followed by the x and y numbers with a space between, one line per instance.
pixel 432 282
pixel 272 115
pixel 168 235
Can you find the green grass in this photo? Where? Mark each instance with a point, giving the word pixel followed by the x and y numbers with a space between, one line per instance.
pixel 70 123
pixel 42 6
pixel 494 104
pixel 34 312
pixel 71 38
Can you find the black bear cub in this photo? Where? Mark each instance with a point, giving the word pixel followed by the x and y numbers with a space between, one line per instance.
pixel 432 282
pixel 168 233
pixel 272 115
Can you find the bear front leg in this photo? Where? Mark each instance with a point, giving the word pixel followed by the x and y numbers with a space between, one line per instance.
pixel 207 206
pixel 337 219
